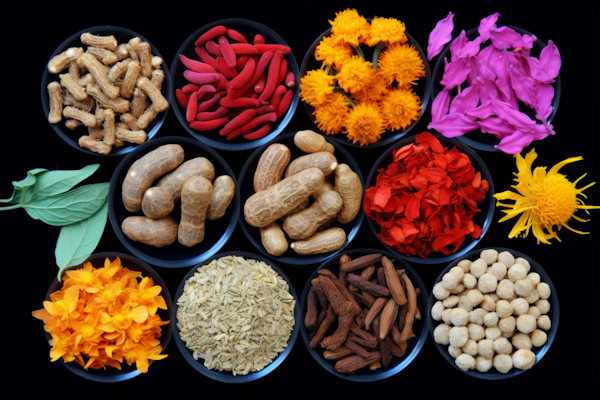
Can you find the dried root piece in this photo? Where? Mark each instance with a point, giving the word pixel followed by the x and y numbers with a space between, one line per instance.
pixel 56 103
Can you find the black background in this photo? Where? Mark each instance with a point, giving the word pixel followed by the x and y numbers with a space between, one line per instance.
pixel 30 34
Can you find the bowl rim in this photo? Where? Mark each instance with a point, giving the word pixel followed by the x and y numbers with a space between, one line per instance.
pixel 379 374
pixel 246 144
pixel 440 64
pixel 127 372
pixel 299 259
pixel 60 129
pixel 227 376
pixel 486 174
pixel 126 162
pixel 393 136
pixel 540 352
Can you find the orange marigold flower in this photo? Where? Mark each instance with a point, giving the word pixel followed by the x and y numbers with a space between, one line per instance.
pixel 331 114
pixel 386 30
pixel 332 53
pixel 401 62
pixel 355 75
pixel 365 124
pixel 373 92
pixel 401 108
pixel 350 27
pixel 315 86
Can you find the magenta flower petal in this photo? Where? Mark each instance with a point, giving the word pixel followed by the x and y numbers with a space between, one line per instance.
pixel 440 105
pixel 440 36
pixel 515 143
pixel 524 87
pixel 469 49
pixel 483 111
pixel 511 39
pixel 550 60
pixel 465 101
pixel 455 73
pixel 486 24
pixel 512 116
pixel 502 70
pixel 496 126
pixel 544 96
pixel 537 71
pixel 453 125
pixel 457 43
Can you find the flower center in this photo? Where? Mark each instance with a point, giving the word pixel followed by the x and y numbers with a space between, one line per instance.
pixel 556 200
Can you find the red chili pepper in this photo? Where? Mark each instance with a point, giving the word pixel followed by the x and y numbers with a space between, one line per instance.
pixel 290 79
pixel 259 86
pixel 212 33
pixel 262 47
pixel 235 35
pixel 209 103
pixel 259 39
pixel 240 62
pixel 195 65
pixel 225 69
pixel 285 102
pixel 239 102
pixel 200 78
pixel 267 108
pixel 251 124
pixel 205 90
pixel 208 115
pixel 261 66
pixel 244 49
pixel 226 51
pixel 213 48
pixel 181 98
pixel 283 67
pixel 190 87
pixel 210 125
pixel 205 57
pixel 276 96
pixel 259 133
pixel 190 112
pixel 221 82
pixel 244 75
pixel 237 121
pixel 272 75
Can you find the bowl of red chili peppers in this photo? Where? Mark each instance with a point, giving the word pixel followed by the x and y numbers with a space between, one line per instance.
pixel 235 84
pixel 429 199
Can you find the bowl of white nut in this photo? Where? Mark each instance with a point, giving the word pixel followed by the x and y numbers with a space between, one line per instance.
pixel 493 313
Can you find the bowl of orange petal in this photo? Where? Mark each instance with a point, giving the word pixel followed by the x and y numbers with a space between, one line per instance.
pixel 128 334
pixel 351 86
pixel 429 199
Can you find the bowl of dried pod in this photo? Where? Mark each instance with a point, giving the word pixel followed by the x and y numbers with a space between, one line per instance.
pixel 363 315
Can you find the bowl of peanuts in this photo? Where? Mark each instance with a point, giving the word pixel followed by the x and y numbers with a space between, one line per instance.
pixel 364 315
pixel 235 84
pixel 302 197
pixel 106 90
pixel 493 313
pixel 173 202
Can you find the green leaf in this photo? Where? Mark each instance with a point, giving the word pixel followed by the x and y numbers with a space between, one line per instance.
pixel 56 182
pixel 23 185
pixel 69 208
pixel 76 242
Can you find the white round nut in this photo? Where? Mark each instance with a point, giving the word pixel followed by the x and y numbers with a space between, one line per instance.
pixel 533 310
pixel 476 332
pixel 521 340
pixel 507 324
pixel 458 336
pixel 446 315
pixel 533 297
pixel 483 364
pixel 503 308
pixel 502 345
pixel 523 359
pixel 449 281
pixel 487 283
pixel 469 281
pixel 470 347
pixel 441 334
pixel 543 290
pixel 497 269
pixel 505 289
pixel 506 258
pixel 475 297
pixel 526 323
pixel 520 306
pixel 440 292
pixel 459 317
pixel 492 332
pixel 488 303
pixel 478 267
pixel 544 322
pixel 465 265
pixel 486 348
pixel 465 362
pixel 522 261
pixel 458 271
pixel 476 316
pixel 458 289
pixel 535 278
pixel 490 256
pixel 516 272
pixel 538 338
pixel 543 305
pixel 503 363
pixel 436 310
pixel 465 303
pixel 450 301
pixel 491 319
pixel 523 287
pixel 454 351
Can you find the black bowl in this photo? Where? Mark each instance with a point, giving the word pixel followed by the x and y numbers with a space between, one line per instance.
pixel 554 315
pixel 174 255
pixel 247 190
pixel 476 138
pixel 420 326
pixel 483 218
pixel 247 28
pixel 123 35
pixel 422 88
pixel 127 371
pixel 227 376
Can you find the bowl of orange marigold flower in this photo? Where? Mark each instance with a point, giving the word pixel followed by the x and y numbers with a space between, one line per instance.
pixel 365 81
pixel 119 311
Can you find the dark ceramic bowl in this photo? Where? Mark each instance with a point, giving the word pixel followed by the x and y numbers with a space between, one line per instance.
pixel 554 315
pixel 174 255
pixel 71 137
pixel 422 89
pixel 420 326
pixel 249 29
pixel 476 138
pixel 227 376
pixel 482 218
pixel 247 189
pixel 127 371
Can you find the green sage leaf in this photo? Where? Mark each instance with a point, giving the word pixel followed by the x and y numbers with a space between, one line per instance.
pixel 76 242
pixel 68 208
pixel 23 185
pixel 56 182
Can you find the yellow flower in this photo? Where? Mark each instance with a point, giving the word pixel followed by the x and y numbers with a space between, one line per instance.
pixel 355 75
pixel 364 124
pixel 544 200
pixel 401 108
pixel 401 62
pixel 350 27
pixel 315 86
pixel 332 53
pixel 386 30
pixel 331 114
pixel 373 92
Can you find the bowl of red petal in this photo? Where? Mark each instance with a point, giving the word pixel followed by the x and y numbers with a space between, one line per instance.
pixel 509 100
pixel 130 334
pixel 341 89
pixel 428 199
pixel 235 84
